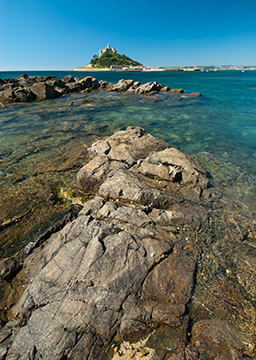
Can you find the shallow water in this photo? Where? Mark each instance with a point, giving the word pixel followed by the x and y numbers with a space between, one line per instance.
pixel 42 145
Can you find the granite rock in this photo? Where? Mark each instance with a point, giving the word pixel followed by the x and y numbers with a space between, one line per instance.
pixel 42 91
pixel 129 266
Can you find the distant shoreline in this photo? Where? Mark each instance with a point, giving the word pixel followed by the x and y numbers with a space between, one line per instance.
pixel 91 69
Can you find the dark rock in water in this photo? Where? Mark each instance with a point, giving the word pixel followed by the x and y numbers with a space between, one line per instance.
pixel 129 266
pixel 23 77
pixel 24 95
pixel 43 91
pixel 165 88
pixel 122 85
pixel 87 82
pixel 216 336
pixel 68 79
pixel 72 87
pixel 56 82
pixel 133 87
pixel 7 93
pixel 103 84
pixel 177 91
pixel 8 268
pixel 148 87
pixel 59 91
pixel 86 101
pixel 196 94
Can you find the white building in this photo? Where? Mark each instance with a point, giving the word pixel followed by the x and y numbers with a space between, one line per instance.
pixel 116 67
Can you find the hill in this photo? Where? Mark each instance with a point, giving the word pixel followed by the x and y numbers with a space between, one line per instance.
pixel 112 58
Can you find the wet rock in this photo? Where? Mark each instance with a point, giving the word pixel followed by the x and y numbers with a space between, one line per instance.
pixel 43 91
pixel 68 79
pixel 103 84
pixel 148 87
pixel 23 95
pixel 2 105
pixel 196 94
pixel 165 89
pixel 219 338
pixel 56 82
pixel 8 268
pixel 168 341
pixel 59 91
pixel 122 85
pixel 179 91
pixel 133 87
pixel 87 82
pixel 7 93
pixel 191 353
pixel 86 101
pixel 72 87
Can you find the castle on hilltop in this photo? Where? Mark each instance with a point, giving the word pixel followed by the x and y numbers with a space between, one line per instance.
pixel 107 49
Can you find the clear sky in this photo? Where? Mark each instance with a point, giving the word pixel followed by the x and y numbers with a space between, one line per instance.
pixel 61 34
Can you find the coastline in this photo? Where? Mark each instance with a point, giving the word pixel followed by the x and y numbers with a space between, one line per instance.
pixel 38 88
pixel 217 237
pixel 90 69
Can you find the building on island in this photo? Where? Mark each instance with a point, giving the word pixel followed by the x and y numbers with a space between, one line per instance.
pixel 116 68
pixel 107 49
pixel 195 68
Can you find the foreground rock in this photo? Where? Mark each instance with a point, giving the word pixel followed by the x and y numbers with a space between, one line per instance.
pixel 25 88
pixel 128 266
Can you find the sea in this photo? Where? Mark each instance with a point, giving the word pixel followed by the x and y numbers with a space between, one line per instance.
pixel 43 144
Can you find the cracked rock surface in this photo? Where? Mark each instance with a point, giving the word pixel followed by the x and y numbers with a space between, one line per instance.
pixel 129 267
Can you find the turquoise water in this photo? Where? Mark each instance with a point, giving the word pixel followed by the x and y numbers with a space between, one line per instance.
pixel 219 128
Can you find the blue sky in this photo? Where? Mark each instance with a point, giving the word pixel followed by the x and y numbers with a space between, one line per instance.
pixel 61 34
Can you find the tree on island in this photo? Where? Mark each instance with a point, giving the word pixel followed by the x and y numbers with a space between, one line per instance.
pixel 112 58
pixel 94 59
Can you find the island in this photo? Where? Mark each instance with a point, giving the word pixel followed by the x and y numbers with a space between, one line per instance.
pixel 110 59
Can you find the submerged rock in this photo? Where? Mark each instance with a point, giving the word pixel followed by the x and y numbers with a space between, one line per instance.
pixel 128 266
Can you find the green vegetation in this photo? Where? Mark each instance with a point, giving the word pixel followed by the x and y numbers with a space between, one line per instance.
pixel 111 58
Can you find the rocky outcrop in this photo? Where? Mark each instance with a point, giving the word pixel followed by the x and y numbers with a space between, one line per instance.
pixel 127 267
pixel 25 88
